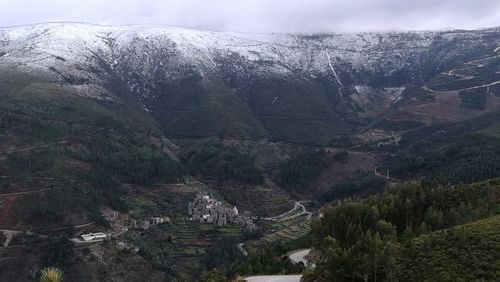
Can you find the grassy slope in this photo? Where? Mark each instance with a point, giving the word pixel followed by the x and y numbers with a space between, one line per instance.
pixel 469 252
pixel 493 131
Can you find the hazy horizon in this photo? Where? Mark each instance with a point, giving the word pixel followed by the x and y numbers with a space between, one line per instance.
pixel 250 32
pixel 263 16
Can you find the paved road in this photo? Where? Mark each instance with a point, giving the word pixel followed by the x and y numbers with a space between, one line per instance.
pixel 274 278
pixel 285 214
pixel 463 89
pixel 299 256
pixel 243 251
pixel 291 214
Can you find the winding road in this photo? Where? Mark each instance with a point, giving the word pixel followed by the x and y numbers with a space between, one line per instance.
pixel 470 65
pixel 243 251
pixel 295 257
pixel 299 256
pixel 463 89
pixel 291 214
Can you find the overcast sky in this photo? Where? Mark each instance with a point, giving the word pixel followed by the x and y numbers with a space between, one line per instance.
pixel 262 15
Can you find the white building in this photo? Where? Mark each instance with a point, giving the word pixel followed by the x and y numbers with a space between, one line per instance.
pixel 94 236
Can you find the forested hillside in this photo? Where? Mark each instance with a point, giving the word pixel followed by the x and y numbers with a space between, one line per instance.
pixel 74 152
pixel 463 160
pixel 395 235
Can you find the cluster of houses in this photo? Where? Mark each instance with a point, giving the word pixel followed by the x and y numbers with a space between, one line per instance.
pixel 152 221
pixel 208 210
pixel 203 209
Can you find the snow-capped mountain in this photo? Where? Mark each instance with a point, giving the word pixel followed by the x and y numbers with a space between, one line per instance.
pixel 305 88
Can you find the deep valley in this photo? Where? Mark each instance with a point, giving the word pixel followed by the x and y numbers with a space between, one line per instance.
pixel 385 144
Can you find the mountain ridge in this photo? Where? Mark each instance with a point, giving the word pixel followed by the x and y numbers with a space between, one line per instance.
pixel 246 32
pixel 251 81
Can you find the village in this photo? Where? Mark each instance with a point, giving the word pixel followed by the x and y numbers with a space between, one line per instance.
pixel 202 209
pixel 208 210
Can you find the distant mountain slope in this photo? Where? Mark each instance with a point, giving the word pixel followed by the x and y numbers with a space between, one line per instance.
pixel 468 90
pixel 298 88
pixel 97 103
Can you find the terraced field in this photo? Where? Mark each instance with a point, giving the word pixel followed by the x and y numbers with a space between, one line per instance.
pixel 178 247
pixel 282 231
pixel 262 200
pixel 288 233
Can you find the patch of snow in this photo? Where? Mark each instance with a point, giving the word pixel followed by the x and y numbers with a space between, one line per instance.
pixel 333 69
pixel 140 52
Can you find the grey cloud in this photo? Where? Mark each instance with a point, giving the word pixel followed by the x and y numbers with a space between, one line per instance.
pixel 263 15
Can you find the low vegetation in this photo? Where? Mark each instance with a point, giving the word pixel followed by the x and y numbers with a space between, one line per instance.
pixel 51 274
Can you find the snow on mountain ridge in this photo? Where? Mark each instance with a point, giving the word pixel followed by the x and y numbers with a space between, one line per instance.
pixel 66 39
pixel 294 87
pixel 64 45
